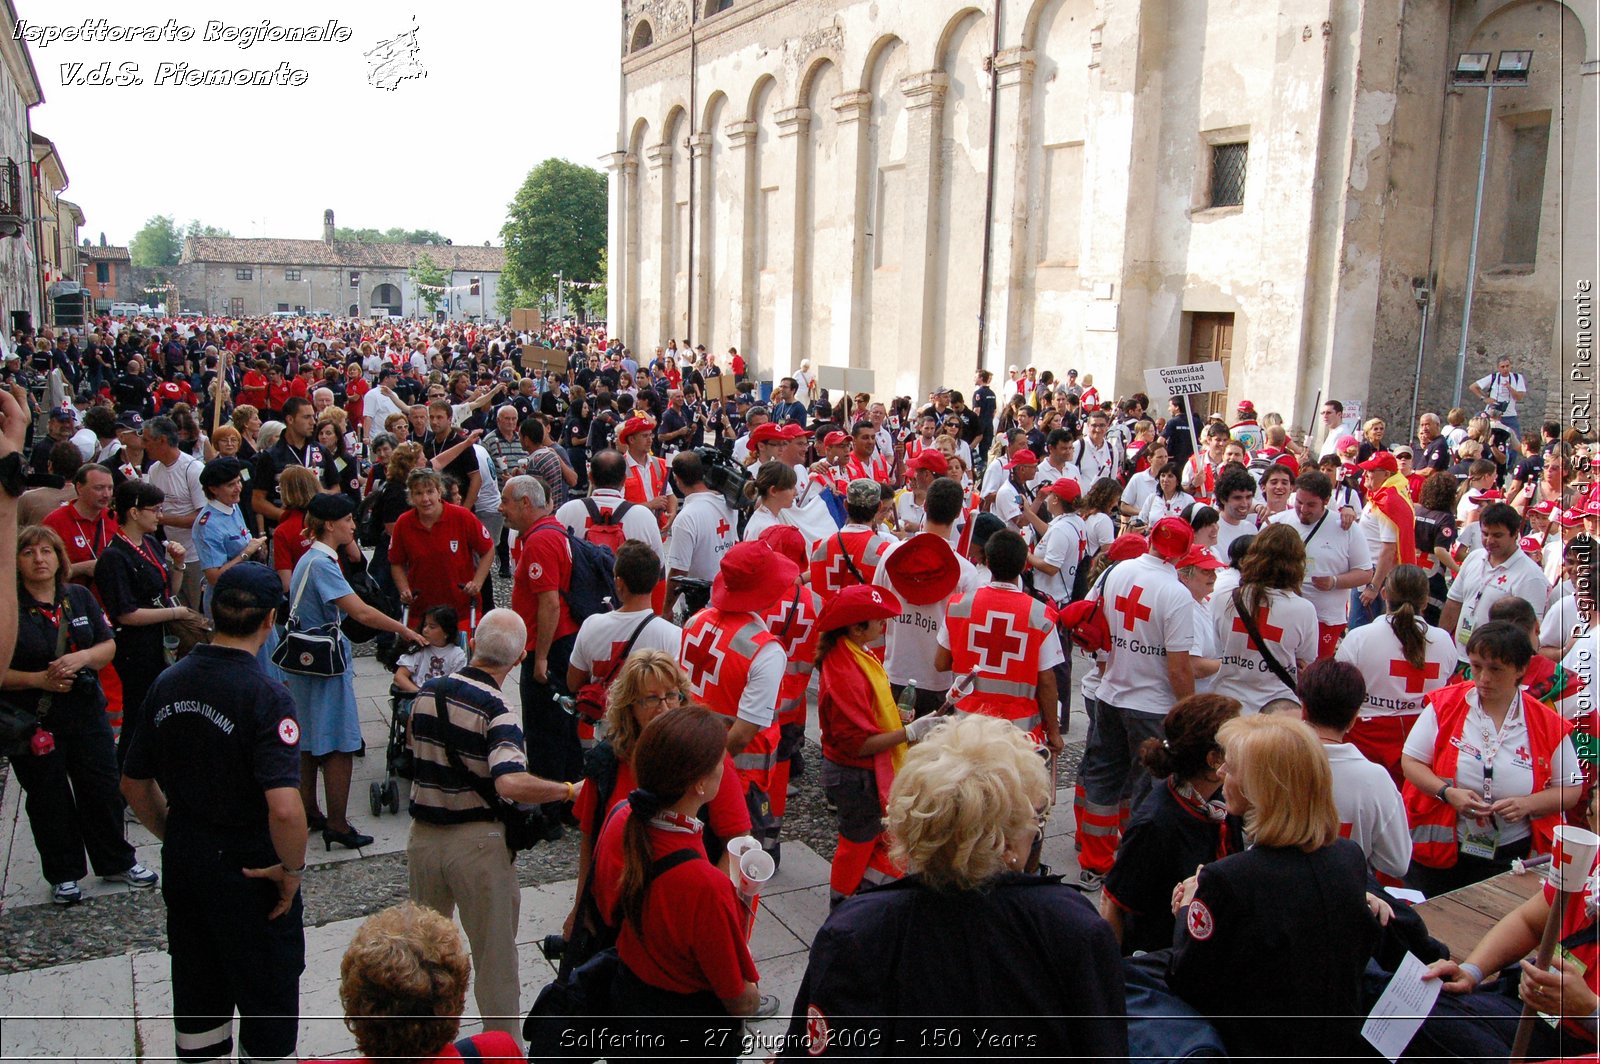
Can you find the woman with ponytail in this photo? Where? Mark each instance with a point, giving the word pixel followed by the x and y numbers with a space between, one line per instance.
pixel 772 490
pixel 1402 661
pixel 1180 826
pixel 681 934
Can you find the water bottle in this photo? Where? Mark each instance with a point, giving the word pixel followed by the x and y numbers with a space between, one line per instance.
pixel 908 703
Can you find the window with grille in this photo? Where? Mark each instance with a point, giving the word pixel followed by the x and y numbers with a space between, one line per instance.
pixel 1227 174
pixel 244 273
pixel 102 273
pixel 291 275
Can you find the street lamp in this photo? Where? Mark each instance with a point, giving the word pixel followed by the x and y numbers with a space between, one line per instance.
pixel 1474 71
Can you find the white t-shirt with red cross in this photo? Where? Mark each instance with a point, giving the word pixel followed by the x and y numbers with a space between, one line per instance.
pixel 602 637
pixel 1394 687
pixel 1149 613
pixel 1288 624
pixel 702 532
pixel 1481 583
pixel 1371 814
pixel 1331 550
pixel 910 640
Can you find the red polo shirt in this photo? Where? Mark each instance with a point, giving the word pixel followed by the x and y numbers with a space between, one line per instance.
pixel 438 560
pixel 544 563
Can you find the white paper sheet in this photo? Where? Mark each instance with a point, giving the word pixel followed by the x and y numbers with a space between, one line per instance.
pixel 1405 1003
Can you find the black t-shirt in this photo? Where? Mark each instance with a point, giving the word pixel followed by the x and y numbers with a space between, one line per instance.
pixel 37 631
pixel 1435 456
pixel 1163 844
pixel 983 401
pixel 392 502
pixel 217 734
pixel 281 456
pixel 1529 469
pixel 128 580
pixel 464 465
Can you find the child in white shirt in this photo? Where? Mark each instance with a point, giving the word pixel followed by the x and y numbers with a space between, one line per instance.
pixel 442 656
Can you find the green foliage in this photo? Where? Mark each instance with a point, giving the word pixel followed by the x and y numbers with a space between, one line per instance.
pixel 426 271
pixel 194 228
pixel 157 244
pixel 556 223
pixel 594 299
pixel 388 236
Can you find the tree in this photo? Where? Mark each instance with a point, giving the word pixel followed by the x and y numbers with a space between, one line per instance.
pixel 556 223
pixel 594 298
pixel 390 236
pixel 157 244
pixel 194 229
pixel 427 272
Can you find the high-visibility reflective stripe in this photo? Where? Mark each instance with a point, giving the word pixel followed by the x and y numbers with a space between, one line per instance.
pixel 983 685
pixel 1423 834
pixel 1089 828
pixel 755 762
pixel 960 608
pixel 877 877
pixel 1093 809
pixel 1027 724
pixel 204 1039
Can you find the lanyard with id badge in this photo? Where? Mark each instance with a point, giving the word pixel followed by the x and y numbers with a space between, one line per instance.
pixel 1480 839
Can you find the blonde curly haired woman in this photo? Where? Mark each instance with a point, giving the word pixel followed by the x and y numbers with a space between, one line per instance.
pixel 966 933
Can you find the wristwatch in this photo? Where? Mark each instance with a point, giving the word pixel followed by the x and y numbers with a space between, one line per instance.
pixel 1445 786
pixel 12 476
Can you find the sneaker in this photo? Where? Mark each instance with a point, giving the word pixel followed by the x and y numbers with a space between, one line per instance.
pixel 137 876
pixel 66 894
pixel 1088 881
pixel 768 1007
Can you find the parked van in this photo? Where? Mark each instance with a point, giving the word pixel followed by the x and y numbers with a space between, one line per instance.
pixel 124 310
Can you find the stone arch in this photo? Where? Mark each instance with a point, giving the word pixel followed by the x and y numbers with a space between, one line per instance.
pixel 716 7
pixel 643 36
pixel 884 216
pixel 674 182
pixel 708 113
pixel 958 189
pixel 387 297
pixel 825 228
pixel 635 228
pixel 719 196
pixel 955 27
pixel 883 44
pixel 769 225
pixel 756 90
pixel 817 64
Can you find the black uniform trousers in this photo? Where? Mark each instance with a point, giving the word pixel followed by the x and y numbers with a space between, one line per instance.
pixel 73 800
pixel 550 732
pixel 139 660
pixel 226 955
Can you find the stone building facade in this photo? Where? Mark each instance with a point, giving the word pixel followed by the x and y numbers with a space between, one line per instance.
pixel 925 187
pixel 19 261
pixel 106 270
pixel 250 277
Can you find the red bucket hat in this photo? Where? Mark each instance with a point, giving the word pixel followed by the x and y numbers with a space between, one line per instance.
pixel 924 569
pixel 932 459
pixel 788 542
pixel 753 576
pixel 857 603
pixel 633 425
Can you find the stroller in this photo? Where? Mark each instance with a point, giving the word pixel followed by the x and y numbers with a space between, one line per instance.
pixel 397 757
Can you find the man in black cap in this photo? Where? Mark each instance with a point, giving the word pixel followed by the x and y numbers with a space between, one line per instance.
pixel 214 772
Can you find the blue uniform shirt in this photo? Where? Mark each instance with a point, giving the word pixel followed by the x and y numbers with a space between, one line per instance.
pixel 219 536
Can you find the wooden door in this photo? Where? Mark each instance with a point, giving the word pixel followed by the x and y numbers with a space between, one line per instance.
pixel 1211 340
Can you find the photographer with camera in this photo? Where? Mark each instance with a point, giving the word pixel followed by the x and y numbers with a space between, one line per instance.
pixel 706 524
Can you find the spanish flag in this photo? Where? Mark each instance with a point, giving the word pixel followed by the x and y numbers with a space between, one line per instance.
pixel 1392 502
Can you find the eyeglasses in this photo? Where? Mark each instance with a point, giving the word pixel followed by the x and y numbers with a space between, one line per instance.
pixel 671 698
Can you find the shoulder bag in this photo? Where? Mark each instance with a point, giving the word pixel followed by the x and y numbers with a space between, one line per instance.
pixel 315 651
pixel 590 700
pixel 22 731
pixel 1261 644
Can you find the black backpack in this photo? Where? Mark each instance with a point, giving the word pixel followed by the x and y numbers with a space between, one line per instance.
pixel 594 585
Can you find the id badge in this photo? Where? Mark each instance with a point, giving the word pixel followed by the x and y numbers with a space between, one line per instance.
pixel 1464 632
pixel 1480 842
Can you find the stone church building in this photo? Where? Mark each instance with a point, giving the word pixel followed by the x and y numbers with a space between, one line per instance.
pixel 924 187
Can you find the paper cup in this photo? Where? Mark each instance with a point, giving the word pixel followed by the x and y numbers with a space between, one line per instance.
pixel 1572 857
pixel 755 868
pixel 743 844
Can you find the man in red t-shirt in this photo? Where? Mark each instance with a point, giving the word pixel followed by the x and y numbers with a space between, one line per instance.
pixel 539 591
pixel 253 388
pixel 439 553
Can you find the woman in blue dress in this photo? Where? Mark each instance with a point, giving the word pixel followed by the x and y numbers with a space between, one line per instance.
pixel 220 534
pixel 330 730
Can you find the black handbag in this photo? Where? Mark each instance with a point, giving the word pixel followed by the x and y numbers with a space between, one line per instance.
pixel 315 651
pixel 368 591
pixel 524 827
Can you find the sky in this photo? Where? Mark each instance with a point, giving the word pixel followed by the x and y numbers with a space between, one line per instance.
pixel 507 85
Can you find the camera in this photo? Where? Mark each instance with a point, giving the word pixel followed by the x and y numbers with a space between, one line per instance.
pixel 725 475
pixel 553 947
pixel 85 682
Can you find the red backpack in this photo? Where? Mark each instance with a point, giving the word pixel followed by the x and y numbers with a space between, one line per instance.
pixel 605 526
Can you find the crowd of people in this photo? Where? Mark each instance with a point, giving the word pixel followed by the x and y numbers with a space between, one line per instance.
pixel 1314 666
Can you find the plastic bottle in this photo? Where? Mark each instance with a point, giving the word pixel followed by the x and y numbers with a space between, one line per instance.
pixel 908 703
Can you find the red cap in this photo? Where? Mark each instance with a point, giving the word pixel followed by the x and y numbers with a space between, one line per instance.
pixel 1068 489
pixel 766 432
pixel 1344 441
pixel 1246 406
pixel 1486 495
pixel 1531 545
pixel 791 431
pixel 1591 508
pixel 1023 457
pixel 932 459
pixel 1199 557
pixel 924 569
pixel 857 603
pixel 1383 460
pixel 835 439
pixel 632 425
pixel 753 576
pixel 1571 518
pixel 788 541
pixel 1171 538
pixel 1128 545
pixel 1546 508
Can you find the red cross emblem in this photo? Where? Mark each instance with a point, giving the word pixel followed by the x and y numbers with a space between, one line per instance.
pixel 1501 580
pixel 995 644
pixel 1263 625
pixel 816 1031
pixel 838 573
pixel 723 528
pixel 1129 606
pixel 702 658
pixel 1559 857
pixel 797 618
pixel 1415 678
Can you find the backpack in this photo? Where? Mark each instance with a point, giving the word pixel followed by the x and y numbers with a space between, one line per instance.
pixel 1084 621
pixel 605 528
pixel 594 586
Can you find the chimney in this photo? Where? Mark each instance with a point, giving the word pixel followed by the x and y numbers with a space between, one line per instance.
pixel 327 227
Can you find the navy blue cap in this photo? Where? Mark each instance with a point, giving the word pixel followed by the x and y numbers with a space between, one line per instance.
pixel 260 586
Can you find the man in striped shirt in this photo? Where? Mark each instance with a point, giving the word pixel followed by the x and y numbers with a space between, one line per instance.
pixel 456 854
